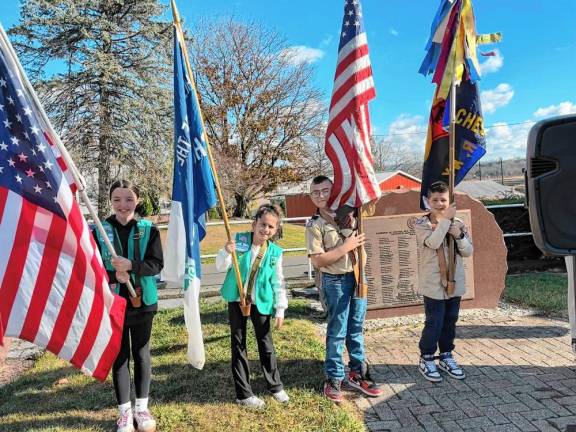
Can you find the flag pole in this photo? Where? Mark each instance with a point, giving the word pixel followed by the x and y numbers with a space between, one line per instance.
pixel 65 155
pixel 243 305
pixel 362 288
pixel 451 171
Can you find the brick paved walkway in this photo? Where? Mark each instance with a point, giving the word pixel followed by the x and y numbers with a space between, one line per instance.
pixel 521 377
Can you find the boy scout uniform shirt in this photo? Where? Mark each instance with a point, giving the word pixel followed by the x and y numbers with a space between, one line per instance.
pixel 321 237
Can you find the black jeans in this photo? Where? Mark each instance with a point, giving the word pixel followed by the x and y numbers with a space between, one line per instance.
pixel 440 325
pixel 240 368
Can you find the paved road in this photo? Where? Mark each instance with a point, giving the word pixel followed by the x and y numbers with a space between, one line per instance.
pixel 295 267
pixel 521 378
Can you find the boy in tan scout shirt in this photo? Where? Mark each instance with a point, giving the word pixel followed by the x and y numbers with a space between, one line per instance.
pixel 441 308
pixel 331 252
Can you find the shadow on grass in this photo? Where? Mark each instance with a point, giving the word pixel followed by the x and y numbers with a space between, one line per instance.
pixel 172 382
pixel 65 421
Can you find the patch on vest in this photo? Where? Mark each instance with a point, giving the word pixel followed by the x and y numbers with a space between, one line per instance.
pixel 242 244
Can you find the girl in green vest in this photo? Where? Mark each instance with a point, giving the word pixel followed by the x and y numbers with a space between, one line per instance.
pixel 260 262
pixel 137 244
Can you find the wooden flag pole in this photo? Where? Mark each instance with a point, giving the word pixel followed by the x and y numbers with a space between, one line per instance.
pixel 244 306
pixel 451 172
pixel 65 155
pixel 362 287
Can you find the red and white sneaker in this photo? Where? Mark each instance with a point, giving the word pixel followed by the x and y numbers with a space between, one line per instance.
pixel 126 422
pixel 364 384
pixel 145 421
pixel 332 390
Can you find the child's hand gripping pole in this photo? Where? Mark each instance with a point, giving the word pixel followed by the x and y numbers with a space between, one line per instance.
pixel 112 252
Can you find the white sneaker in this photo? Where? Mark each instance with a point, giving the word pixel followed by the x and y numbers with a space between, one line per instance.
pixel 281 396
pixel 448 364
pixel 251 402
pixel 145 421
pixel 126 422
pixel 429 370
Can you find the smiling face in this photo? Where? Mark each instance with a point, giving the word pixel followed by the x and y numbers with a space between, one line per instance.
pixel 320 193
pixel 264 228
pixel 124 202
pixel 439 202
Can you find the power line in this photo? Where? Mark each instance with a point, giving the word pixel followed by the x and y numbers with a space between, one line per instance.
pixel 424 132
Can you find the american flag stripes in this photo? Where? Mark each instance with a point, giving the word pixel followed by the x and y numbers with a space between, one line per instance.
pixel 53 284
pixel 348 134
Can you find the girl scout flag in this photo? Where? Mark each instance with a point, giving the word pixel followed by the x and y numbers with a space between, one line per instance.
pixel 192 195
pixel 451 54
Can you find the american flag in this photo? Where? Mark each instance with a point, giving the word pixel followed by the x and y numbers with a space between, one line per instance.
pixel 53 284
pixel 348 134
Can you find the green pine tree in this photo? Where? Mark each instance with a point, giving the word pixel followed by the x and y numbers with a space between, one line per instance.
pixel 110 98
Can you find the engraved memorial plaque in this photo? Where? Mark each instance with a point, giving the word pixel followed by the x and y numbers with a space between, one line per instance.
pixel 392 267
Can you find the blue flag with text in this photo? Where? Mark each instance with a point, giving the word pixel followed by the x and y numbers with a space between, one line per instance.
pixel 192 195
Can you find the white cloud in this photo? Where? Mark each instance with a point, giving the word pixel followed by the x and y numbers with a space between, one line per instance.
pixel 299 54
pixel 507 141
pixel 499 97
pixel 562 108
pixel 393 32
pixel 408 132
pixel 493 64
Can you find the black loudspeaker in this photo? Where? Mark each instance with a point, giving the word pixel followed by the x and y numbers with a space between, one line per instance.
pixel 551 184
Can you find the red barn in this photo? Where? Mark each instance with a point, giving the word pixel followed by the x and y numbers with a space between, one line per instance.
pixel 298 202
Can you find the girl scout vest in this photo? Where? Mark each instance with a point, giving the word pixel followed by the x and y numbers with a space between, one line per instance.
pixel 264 285
pixel 147 283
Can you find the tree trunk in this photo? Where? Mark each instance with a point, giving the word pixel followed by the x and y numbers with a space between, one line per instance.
pixel 241 209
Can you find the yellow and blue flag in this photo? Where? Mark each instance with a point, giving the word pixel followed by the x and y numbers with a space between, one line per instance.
pixel 193 194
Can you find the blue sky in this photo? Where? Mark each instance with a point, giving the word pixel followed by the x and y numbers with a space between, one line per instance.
pixel 530 79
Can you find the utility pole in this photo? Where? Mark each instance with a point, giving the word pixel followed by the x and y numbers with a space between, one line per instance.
pixel 480 169
pixel 501 171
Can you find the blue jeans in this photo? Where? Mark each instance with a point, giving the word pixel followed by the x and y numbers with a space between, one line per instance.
pixel 440 325
pixel 345 318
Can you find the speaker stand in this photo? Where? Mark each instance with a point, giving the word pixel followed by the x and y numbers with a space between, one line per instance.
pixel 571 270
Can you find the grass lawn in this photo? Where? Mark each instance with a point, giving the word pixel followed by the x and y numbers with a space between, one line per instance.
pixel 544 291
pixel 216 237
pixel 52 396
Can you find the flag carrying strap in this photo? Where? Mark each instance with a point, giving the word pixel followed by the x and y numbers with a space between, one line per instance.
pixel 254 270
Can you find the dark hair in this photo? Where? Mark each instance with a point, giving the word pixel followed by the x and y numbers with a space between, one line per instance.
pixel 124 184
pixel 274 210
pixel 437 186
pixel 320 179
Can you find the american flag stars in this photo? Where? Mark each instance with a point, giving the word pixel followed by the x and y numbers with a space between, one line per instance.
pixel 26 166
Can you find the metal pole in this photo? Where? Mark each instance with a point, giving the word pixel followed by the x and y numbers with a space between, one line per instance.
pixel 501 171
pixel 571 270
pixel 65 155
pixel 180 35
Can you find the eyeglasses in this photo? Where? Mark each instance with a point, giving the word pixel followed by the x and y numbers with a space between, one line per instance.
pixel 323 192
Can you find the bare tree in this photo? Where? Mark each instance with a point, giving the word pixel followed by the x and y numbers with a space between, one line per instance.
pixel 259 106
pixel 391 155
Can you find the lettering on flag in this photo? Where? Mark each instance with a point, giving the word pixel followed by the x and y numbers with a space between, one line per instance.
pixel 192 195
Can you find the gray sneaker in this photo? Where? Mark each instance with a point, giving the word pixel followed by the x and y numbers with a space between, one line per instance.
pixel 251 402
pixel 429 369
